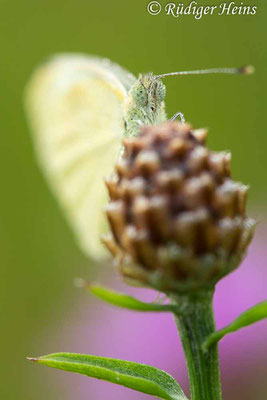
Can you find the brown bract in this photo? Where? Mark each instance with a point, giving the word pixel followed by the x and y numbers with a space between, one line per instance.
pixel 177 219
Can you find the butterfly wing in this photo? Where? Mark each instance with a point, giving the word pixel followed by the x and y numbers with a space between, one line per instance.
pixel 75 109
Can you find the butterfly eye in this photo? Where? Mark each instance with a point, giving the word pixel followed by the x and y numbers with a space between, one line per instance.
pixel 139 95
pixel 161 92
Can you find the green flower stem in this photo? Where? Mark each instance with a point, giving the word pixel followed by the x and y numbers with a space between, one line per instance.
pixel 195 321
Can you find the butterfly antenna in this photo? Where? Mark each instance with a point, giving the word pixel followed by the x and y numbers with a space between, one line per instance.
pixel 245 70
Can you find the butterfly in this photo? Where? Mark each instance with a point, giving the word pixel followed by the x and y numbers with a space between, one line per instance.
pixel 79 108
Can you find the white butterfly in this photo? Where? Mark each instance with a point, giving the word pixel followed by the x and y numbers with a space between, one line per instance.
pixel 79 108
pixel 75 109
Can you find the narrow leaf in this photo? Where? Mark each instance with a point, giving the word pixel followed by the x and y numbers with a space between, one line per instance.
pixel 125 301
pixel 140 377
pixel 249 317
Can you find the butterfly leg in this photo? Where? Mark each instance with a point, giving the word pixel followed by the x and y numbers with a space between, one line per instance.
pixel 178 114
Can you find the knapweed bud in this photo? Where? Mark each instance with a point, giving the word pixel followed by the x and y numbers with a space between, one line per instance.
pixel 177 218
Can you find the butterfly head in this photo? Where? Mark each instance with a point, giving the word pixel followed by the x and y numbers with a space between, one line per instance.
pixel 145 103
pixel 148 92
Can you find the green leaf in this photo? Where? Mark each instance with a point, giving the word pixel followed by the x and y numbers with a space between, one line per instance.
pixel 249 317
pixel 140 377
pixel 125 301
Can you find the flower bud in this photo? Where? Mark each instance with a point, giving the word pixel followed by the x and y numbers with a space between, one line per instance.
pixel 177 219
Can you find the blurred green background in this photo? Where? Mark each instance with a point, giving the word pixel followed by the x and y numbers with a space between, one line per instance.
pixel 39 257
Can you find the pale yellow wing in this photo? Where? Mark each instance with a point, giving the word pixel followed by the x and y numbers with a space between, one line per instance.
pixel 75 109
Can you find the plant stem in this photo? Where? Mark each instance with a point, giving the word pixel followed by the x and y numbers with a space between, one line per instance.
pixel 195 321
